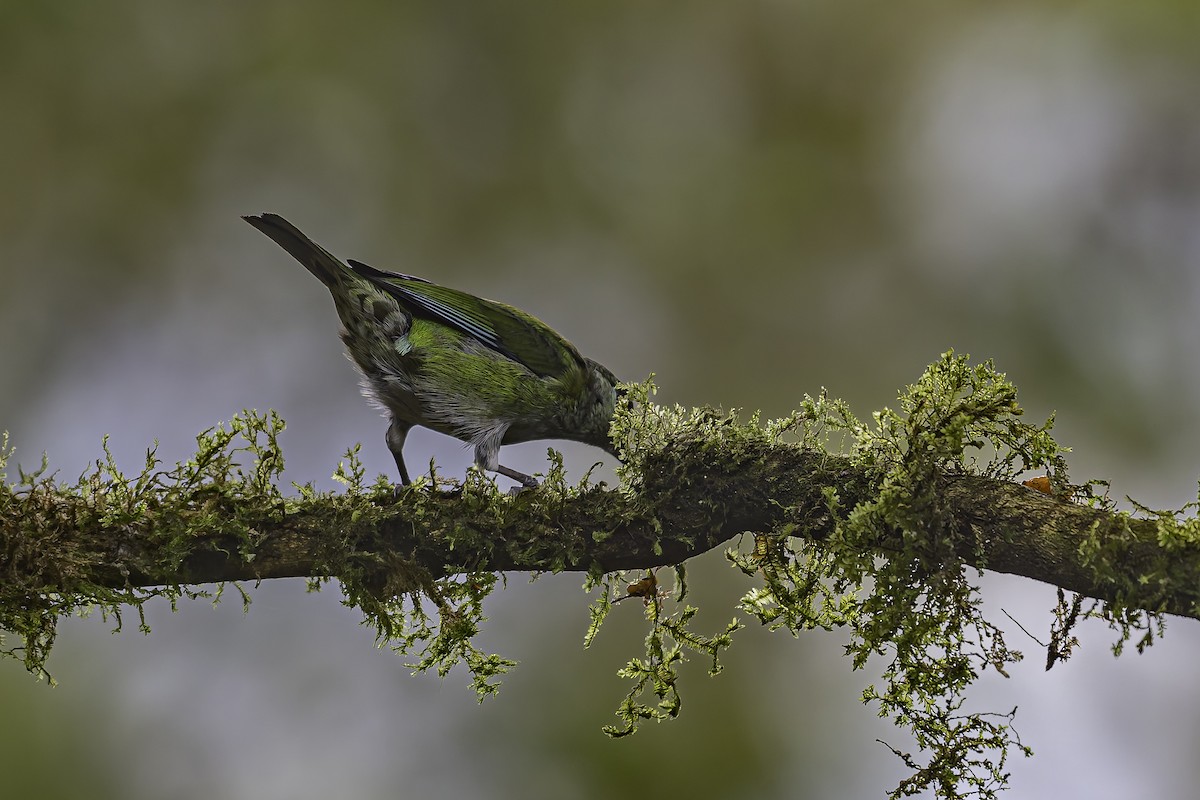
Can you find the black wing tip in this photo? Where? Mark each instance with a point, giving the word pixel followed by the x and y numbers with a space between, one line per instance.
pixel 363 269
pixel 367 271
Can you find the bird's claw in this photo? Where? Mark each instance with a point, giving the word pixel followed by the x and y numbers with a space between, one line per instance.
pixel 527 484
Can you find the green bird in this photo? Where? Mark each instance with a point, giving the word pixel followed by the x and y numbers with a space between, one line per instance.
pixel 481 371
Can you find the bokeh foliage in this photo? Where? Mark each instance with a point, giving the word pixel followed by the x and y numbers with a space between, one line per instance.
pixel 752 200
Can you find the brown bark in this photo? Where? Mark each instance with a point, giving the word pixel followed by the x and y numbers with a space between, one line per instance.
pixel 687 507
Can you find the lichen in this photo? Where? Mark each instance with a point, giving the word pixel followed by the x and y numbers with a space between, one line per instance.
pixel 66 548
pixel 877 553
pixel 912 606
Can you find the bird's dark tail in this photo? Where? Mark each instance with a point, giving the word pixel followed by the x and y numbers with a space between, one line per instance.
pixel 316 259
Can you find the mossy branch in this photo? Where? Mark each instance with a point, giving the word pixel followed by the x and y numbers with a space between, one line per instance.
pixel 878 536
pixel 696 497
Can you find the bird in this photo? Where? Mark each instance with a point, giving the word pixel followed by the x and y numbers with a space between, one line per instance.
pixel 483 372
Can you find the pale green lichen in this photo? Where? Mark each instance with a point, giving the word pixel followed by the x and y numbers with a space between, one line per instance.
pixel 58 537
pixel 909 610
pixel 913 608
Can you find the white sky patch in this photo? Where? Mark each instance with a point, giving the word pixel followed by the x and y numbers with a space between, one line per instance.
pixel 1009 136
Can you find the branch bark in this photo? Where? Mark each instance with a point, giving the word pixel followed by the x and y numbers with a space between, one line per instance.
pixel 692 501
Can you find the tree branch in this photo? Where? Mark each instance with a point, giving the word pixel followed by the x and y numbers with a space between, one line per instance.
pixel 692 500
pixel 891 525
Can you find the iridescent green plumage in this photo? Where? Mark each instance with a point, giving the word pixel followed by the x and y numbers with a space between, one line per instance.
pixel 480 371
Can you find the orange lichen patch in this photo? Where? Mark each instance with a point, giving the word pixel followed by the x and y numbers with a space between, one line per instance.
pixel 1041 484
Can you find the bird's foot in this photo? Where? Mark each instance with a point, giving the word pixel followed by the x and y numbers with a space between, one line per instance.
pixel 434 488
pixel 527 485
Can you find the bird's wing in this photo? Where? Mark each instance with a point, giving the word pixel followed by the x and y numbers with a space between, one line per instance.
pixel 507 330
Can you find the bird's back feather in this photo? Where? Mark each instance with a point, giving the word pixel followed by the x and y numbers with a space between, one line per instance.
pixel 504 329
pixel 507 330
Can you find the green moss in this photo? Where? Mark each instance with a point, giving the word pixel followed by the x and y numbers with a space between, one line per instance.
pixel 913 607
pixel 59 545
pixel 880 557
pixel 59 539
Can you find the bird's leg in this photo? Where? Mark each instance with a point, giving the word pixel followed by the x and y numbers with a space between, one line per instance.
pixel 396 434
pixel 527 481
pixel 487 457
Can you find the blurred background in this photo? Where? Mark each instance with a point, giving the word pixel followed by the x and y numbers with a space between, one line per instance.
pixel 751 200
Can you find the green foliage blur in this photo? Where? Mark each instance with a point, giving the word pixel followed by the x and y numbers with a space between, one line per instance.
pixel 751 200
